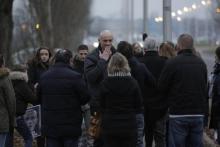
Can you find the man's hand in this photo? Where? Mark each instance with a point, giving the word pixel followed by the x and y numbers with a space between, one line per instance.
pixel 106 53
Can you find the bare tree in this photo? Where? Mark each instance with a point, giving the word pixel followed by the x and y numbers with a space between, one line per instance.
pixel 6 26
pixel 62 23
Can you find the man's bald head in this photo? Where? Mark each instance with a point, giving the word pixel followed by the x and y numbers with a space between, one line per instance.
pixel 185 41
pixel 105 33
pixel 105 39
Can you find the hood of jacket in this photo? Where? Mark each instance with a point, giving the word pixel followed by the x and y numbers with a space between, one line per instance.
pixel 4 72
pixel 18 75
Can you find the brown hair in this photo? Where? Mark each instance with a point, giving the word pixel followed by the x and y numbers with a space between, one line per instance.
pixel 36 59
pixel 167 50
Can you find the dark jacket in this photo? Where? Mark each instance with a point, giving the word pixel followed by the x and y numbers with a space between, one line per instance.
pixel 62 92
pixel 215 109
pixel 35 70
pixel 184 82
pixel 95 72
pixel 143 76
pixel 153 62
pixel 153 99
pixel 120 100
pixel 78 66
pixel 23 92
pixel 7 102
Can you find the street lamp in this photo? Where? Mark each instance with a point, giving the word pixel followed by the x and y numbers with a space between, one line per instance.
pixel 37 26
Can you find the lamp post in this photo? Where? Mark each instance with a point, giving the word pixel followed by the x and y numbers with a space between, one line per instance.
pixel 167 21
pixel 145 15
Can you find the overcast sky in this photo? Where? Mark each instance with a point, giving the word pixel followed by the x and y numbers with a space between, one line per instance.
pixel 114 8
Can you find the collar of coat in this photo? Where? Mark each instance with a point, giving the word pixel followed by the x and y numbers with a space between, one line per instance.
pixel 18 75
pixel 119 74
pixel 4 72
pixel 185 51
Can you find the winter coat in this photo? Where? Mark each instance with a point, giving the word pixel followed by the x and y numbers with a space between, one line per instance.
pixel 95 72
pixel 184 82
pixel 35 70
pixel 23 92
pixel 153 62
pixel 120 101
pixel 78 66
pixel 143 76
pixel 153 100
pixel 215 109
pixel 62 92
pixel 7 102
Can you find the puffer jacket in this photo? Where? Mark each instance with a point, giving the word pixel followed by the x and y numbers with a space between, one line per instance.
pixel 23 92
pixel 7 102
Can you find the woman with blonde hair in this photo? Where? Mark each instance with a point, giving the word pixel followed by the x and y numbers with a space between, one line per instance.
pixel 120 100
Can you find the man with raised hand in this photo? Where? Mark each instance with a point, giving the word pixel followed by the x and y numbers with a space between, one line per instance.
pixel 95 70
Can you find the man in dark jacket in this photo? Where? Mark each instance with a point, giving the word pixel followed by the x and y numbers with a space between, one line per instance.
pixel 96 70
pixel 62 92
pixel 184 82
pixel 154 125
pixel 78 66
pixel 78 61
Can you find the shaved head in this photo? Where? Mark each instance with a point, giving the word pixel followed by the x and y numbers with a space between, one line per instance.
pixel 105 33
pixel 185 41
pixel 105 39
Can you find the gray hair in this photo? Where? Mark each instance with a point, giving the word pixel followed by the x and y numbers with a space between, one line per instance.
pixel 150 44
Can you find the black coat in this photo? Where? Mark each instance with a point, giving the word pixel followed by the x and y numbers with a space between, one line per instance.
pixel 143 76
pixel 184 82
pixel 35 70
pixel 154 100
pixel 95 70
pixel 215 109
pixel 78 66
pixel 120 101
pixel 62 92
pixel 23 92
pixel 153 62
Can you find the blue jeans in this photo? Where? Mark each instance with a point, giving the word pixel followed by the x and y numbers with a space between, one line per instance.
pixel 186 131
pixel 140 129
pixel 23 130
pixel 2 139
pixel 61 142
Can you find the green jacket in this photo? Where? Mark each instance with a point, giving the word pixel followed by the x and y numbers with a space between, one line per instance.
pixel 7 102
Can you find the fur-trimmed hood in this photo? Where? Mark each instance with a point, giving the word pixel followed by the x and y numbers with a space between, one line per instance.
pixel 4 72
pixel 18 75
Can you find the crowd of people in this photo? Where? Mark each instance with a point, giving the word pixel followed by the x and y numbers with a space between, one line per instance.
pixel 156 94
